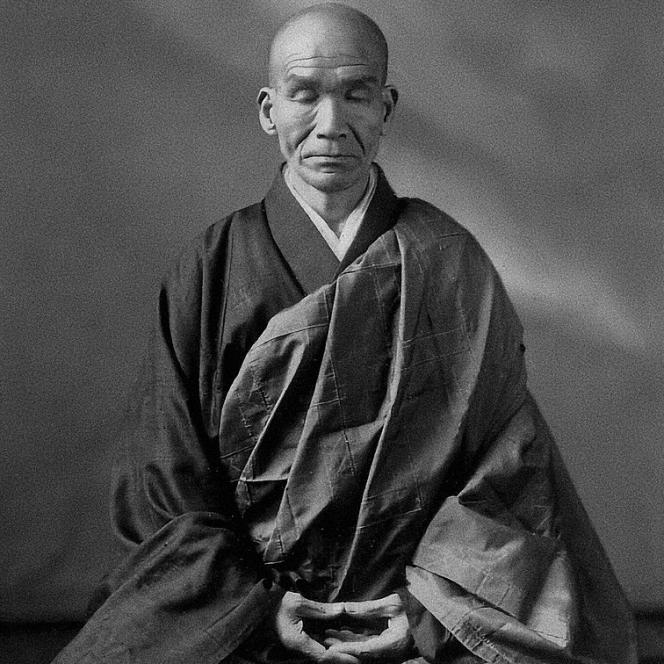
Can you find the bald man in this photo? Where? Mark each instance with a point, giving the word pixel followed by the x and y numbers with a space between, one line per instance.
pixel 331 454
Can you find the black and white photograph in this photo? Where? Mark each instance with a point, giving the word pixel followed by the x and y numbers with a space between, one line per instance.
pixel 332 332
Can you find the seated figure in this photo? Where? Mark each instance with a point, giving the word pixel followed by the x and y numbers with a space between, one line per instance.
pixel 331 454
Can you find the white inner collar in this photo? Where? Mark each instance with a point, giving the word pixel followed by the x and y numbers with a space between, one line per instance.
pixel 349 227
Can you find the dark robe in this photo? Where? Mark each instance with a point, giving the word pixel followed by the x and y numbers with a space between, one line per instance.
pixel 347 430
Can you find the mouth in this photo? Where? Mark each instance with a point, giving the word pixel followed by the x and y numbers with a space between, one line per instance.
pixel 328 155
pixel 331 160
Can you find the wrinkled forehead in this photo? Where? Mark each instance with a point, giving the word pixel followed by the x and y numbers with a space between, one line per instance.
pixel 341 65
pixel 311 45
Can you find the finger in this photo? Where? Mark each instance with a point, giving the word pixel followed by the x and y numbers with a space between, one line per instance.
pixel 334 657
pixel 374 646
pixel 331 641
pixel 343 636
pixel 371 647
pixel 304 644
pixel 291 633
pixel 307 608
pixel 351 634
pixel 376 608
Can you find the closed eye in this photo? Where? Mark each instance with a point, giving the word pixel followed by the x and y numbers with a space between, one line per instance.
pixel 303 95
pixel 360 93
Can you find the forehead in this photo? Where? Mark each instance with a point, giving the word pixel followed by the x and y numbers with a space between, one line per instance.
pixel 328 70
pixel 312 47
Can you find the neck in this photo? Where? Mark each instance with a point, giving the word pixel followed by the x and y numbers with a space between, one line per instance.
pixel 333 206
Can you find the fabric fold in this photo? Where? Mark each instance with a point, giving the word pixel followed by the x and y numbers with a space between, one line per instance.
pixel 375 431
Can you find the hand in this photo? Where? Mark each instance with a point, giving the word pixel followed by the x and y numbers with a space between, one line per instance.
pixel 393 643
pixel 289 625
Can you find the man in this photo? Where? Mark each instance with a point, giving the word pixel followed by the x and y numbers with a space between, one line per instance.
pixel 332 455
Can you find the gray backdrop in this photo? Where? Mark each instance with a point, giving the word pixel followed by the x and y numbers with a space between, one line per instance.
pixel 127 127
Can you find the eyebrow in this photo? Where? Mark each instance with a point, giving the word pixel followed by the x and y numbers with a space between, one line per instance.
pixel 355 79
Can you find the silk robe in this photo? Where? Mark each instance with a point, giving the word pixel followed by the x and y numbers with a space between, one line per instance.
pixel 349 429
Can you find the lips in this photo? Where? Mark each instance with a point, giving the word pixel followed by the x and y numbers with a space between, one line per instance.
pixel 331 157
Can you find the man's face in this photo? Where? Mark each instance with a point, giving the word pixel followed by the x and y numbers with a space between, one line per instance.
pixel 328 106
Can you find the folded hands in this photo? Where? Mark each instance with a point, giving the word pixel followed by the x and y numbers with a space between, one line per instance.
pixel 357 631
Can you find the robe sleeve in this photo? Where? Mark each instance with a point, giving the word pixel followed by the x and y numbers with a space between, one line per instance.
pixel 510 564
pixel 191 587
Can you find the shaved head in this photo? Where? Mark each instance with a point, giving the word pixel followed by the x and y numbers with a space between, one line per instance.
pixel 327 101
pixel 340 26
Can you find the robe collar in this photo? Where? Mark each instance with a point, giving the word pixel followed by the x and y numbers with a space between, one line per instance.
pixel 310 258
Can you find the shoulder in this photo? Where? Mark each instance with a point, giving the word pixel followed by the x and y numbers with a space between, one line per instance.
pixel 210 249
pixel 447 254
pixel 430 230
pixel 238 226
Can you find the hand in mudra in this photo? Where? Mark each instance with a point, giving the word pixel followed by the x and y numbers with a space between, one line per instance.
pixel 394 643
pixel 349 644
pixel 289 625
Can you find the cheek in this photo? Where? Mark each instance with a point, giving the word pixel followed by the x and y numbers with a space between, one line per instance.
pixel 370 129
pixel 294 128
pixel 368 119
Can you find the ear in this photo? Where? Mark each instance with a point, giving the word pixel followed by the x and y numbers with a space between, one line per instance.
pixel 265 109
pixel 390 98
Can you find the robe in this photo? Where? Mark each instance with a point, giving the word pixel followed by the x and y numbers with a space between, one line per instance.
pixel 345 430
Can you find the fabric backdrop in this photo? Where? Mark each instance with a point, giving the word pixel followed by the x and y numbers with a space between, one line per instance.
pixel 129 126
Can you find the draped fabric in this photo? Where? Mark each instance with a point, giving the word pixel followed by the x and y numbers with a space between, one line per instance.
pixel 383 424
pixel 358 435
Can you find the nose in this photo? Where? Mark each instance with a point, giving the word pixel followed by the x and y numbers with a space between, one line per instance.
pixel 330 119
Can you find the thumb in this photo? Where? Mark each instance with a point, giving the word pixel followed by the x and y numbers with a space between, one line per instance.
pixel 307 608
pixel 386 607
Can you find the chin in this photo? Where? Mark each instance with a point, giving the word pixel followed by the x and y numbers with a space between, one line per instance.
pixel 332 182
pixel 331 185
